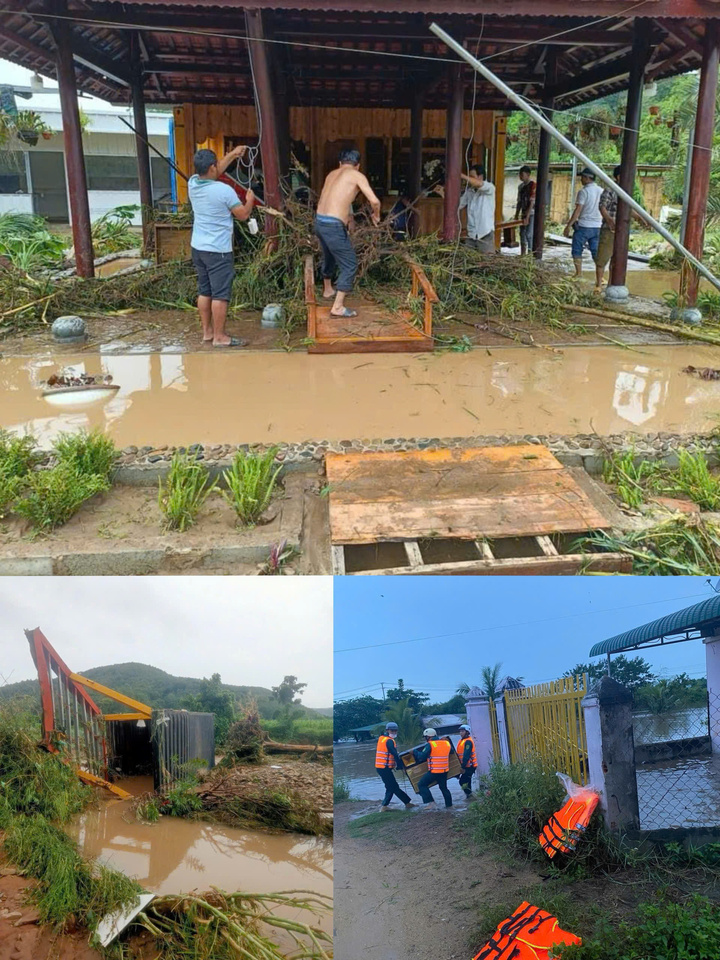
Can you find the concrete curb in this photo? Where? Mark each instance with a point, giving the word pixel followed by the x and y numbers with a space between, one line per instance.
pixel 254 548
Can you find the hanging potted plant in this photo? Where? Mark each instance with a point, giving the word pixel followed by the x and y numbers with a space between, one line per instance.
pixel 614 132
pixel 28 127
pixel 654 110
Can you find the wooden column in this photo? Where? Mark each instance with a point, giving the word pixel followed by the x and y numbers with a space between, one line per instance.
pixel 631 136
pixel 498 173
pixel 74 155
pixel 267 115
pixel 141 136
pixel 543 167
pixel 416 140
pixel 701 160
pixel 453 157
pixel 282 113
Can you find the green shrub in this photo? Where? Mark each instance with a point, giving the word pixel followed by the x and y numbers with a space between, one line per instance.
pixel 54 496
pixel 92 453
pixel 316 730
pixel 513 803
pixel 184 491
pixel 181 801
pixel 630 479
pixel 10 489
pixel 251 480
pixel 666 931
pixel 693 478
pixel 17 454
pixel 341 790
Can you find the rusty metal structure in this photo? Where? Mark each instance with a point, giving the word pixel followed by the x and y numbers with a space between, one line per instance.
pixel 141 739
pixel 344 54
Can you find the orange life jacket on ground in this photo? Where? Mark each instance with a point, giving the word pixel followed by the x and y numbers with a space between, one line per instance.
pixel 461 750
pixel 529 934
pixel 383 757
pixel 563 830
pixel 439 759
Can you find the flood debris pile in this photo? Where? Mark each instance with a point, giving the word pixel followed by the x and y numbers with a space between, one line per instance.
pixel 288 795
pixel 245 737
pixel 485 285
pixel 224 926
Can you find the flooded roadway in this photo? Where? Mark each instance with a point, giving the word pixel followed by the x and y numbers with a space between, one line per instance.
pixel 177 856
pixel 180 399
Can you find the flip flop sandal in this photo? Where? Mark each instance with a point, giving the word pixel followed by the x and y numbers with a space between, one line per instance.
pixel 234 342
pixel 345 315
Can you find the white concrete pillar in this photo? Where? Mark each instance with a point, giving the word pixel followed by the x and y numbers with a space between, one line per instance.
pixel 712 660
pixel 477 706
pixel 593 735
pixel 503 730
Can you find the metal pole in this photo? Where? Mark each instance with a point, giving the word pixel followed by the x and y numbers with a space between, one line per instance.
pixel 571 148
pixel 573 182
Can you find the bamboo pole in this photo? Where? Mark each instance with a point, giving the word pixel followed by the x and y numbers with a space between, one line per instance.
pixel 687 333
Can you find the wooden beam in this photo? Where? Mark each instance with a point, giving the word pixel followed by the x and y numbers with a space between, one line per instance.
pixel 594 78
pixel 141 140
pixel 113 694
pixel 85 54
pixel 453 157
pixel 542 180
pixel 34 49
pixel 267 116
pixel 74 155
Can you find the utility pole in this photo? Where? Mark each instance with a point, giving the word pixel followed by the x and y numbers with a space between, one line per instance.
pixel 609 672
pixel 383 690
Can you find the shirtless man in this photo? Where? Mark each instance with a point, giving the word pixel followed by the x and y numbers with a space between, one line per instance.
pixel 331 228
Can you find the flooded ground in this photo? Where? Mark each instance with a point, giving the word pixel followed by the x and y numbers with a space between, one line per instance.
pixel 678 725
pixel 681 793
pixel 177 856
pixel 355 763
pixel 179 399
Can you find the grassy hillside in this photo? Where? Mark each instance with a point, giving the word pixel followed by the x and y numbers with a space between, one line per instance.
pixel 156 688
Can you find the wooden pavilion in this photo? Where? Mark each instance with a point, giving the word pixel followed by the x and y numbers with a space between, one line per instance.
pixel 322 73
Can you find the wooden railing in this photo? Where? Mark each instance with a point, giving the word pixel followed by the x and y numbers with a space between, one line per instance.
pixel 421 282
pixel 310 301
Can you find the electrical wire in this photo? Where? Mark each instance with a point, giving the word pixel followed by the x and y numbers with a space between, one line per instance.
pixel 522 623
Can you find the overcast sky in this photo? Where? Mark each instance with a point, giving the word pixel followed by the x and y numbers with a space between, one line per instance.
pixel 250 630
pixel 537 627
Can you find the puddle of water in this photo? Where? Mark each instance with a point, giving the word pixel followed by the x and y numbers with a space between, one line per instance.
pixel 261 397
pixel 179 856
pixel 112 266
pixel 654 283
pixel 355 762
pixel 681 793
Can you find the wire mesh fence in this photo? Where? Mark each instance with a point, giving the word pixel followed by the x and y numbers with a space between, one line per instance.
pixel 678 775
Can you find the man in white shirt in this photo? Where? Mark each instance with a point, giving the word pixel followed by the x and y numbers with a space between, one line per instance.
pixel 479 200
pixel 586 220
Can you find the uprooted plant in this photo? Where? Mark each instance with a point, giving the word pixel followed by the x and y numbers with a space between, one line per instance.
pixel 251 480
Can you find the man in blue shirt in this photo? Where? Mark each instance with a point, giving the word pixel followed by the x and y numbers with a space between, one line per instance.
pixel 214 205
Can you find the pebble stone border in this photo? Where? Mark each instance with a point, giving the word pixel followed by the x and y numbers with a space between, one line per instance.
pixel 581 450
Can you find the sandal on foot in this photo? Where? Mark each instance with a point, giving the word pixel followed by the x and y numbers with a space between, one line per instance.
pixel 234 342
pixel 345 315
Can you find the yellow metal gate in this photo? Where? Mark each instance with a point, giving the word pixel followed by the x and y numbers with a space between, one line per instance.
pixel 546 721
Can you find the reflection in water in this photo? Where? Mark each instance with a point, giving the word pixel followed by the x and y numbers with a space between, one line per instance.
pixel 678 725
pixel 682 793
pixel 176 855
pixel 355 762
pixel 178 399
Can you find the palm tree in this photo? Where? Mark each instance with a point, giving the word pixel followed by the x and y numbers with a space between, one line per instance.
pixel 490 679
pixel 409 724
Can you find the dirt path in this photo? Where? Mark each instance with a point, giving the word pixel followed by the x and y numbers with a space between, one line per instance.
pixel 22 938
pixel 406 887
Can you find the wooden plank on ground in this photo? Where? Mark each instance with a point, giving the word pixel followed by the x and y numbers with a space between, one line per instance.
pixel 374 330
pixel 568 565
pixel 467 494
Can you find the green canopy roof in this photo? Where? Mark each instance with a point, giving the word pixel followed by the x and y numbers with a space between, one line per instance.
pixel 692 623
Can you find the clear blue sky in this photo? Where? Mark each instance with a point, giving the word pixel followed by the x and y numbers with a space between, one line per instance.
pixel 537 627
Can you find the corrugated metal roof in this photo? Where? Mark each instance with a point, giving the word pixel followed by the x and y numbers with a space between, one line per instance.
pixel 697 619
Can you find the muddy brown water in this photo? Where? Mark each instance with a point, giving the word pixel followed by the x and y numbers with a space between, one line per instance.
pixel 178 856
pixel 112 266
pixel 179 399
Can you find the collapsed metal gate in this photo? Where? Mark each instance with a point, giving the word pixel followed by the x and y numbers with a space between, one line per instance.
pixel 162 742
pixel 546 721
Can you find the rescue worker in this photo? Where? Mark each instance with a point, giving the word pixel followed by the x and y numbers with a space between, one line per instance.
pixel 387 759
pixel 437 754
pixel 468 759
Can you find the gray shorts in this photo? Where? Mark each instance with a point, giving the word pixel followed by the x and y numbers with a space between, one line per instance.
pixel 484 244
pixel 215 273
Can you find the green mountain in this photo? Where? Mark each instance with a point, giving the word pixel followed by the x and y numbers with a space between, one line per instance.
pixel 156 688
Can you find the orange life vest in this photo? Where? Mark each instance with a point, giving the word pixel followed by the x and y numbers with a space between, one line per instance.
pixel 383 757
pixel 461 750
pixel 563 830
pixel 529 934
pixel 439 759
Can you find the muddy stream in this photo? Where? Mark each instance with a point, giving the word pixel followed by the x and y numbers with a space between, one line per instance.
pixel 176 855
pixel 180 399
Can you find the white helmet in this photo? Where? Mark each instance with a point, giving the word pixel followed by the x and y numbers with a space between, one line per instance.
pixel 464 726
pixel 429 732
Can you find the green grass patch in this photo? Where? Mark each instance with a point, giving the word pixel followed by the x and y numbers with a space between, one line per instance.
pixel 315 730
pixel 91 454
pixel 630 478
pixel 341 790
pixel 53 496
pixel 693 479
pixel 182 494
pixel 678 546
pixel 251 481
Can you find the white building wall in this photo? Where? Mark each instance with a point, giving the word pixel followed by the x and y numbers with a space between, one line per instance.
pixel 16 203
pixel 101 201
